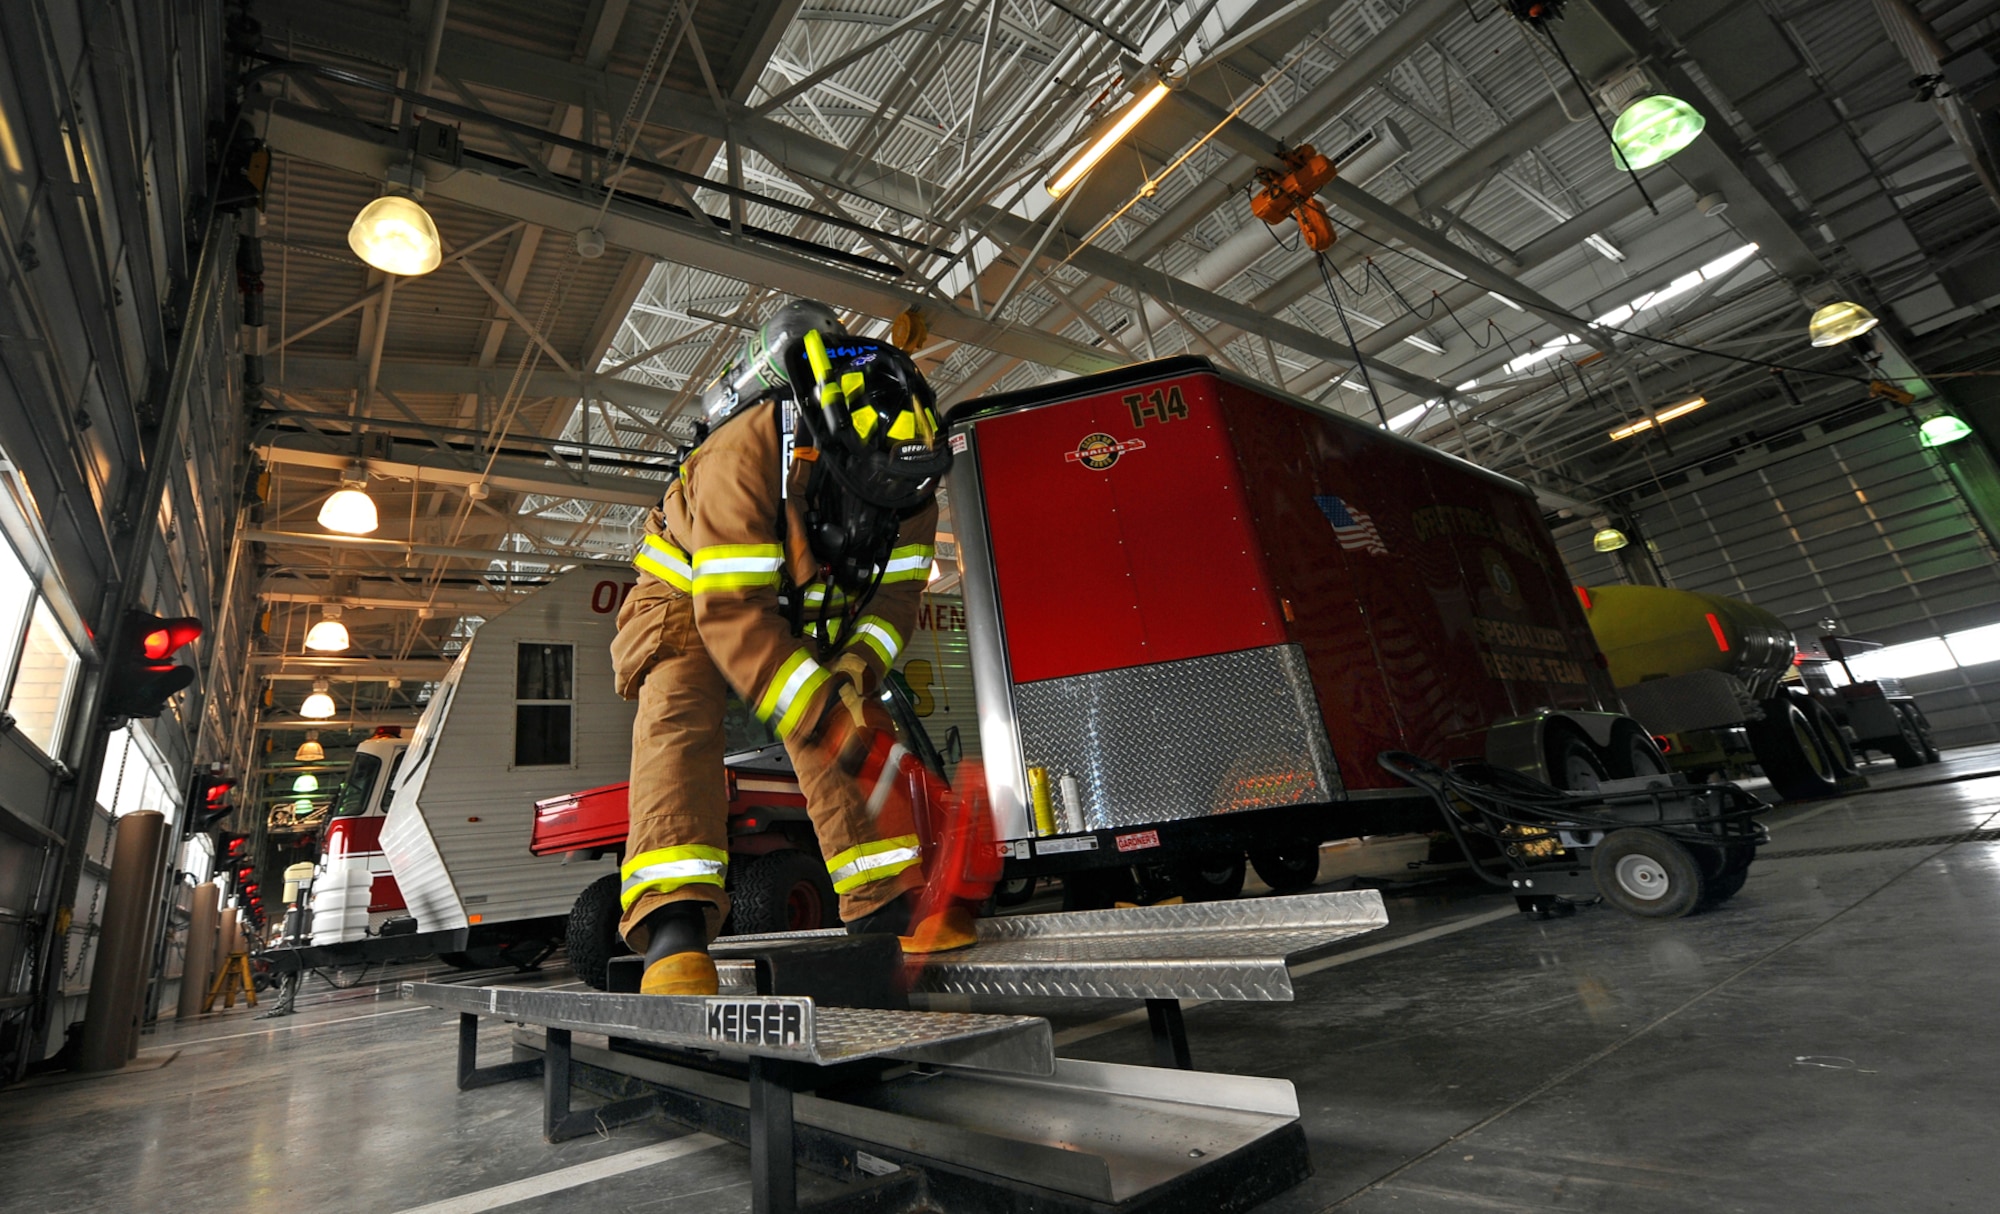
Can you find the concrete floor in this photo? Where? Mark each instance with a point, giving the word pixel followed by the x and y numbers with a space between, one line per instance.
pixel 1821 1042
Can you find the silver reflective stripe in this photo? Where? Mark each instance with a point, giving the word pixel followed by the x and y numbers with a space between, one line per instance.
pixel 867 864
pixel 891 643
pixel 892 770
pixel 737 564
pixel 681 870
pixel 907 564
pixel 806 670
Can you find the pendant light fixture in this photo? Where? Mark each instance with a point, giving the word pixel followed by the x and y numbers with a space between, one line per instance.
pixel 1608 539
pixel 349 510
pixel 318 705
pixel 1942 429
pixel 1653 129
pixel 1840 321
pixel 329 635
pixel 307 782
pixel 310 751
pixel 396 236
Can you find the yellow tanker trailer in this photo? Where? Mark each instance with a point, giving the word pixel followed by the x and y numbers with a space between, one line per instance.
pixel 1706 674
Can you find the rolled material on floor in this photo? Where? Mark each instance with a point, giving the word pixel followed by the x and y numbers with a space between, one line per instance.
pixel 198 967
pixel 118 973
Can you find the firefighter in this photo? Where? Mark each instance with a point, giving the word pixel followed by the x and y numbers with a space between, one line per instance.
pixel 786 562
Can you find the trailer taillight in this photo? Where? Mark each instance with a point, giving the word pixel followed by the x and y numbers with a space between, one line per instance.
pixel 1583 596
pixel 1721 639
pixel 1665 743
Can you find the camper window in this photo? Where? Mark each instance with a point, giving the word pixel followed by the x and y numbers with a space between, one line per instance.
pixel 542 704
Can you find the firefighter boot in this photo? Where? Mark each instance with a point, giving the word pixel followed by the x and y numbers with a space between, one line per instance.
pixel 677 961
pixel 935 932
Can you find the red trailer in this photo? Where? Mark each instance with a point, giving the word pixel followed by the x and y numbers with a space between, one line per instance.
pixel 1199 609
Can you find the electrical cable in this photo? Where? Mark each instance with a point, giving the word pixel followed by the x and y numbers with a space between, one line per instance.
pixel 1352 348
pixel 1590 99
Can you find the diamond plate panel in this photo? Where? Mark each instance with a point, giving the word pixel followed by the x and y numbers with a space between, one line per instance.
pixel 1184 739
pixel 1019 1044
pixel 1240 950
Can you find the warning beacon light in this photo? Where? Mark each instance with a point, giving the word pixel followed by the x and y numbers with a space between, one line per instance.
pixel 142 673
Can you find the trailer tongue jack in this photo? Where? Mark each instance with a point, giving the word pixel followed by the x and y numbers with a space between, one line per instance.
pixel 923 1109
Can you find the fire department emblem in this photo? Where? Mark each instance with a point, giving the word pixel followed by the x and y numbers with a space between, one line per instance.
pixel 1098 452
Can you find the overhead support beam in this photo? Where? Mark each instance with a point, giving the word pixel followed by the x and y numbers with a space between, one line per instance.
pixel 443 604
pixel 403 548
pixel 286 666
pixel 425 464
pixel 345 723
pixel 307 374
pixel 671 236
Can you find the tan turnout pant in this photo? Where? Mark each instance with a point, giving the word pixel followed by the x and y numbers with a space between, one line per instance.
pixel 679 796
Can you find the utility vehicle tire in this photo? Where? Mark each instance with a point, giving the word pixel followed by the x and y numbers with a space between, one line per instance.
pixel 1015 892
pixel 1916 729
pixel 1632 753
pixel 1216 878
pixel 1574 765
pixel 1643 872
pixel 1288 867
pixel 1791 752
pixel 592 933
pixel 1721 889
pixel 1907 747
pixel 1833 738
pixel 781 891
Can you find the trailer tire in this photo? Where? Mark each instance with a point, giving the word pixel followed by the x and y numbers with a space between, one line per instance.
pixel 1907 747
pixel 1838 751
pixel 1015 892
pixel 1632 752
pixel 1791 751
pixel 1098 888
pixel 1216 878
pixel 1573 763
pixel 1718 890
pixel 1288 867
pixel 592 933
pixel 782 891
pixel 1643 872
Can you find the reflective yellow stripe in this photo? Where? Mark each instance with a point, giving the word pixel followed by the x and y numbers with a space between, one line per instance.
pixel 737 566
pixel 904 428
pixel 881 636
pixel 820 593
pixel 909 563
pixel 665 562
pixel 666 869
pixel 876 861
pixel 790 692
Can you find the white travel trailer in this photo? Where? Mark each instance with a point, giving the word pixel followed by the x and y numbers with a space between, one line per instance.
pixel 527 711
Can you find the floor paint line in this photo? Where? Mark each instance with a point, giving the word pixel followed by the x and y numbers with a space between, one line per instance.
pixel 191 1042
pixel 1137 1016
pixel 570 1177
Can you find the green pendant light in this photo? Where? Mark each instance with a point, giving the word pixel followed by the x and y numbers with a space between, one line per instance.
pixel 307 782
pixel 1653 128
pixel 1942 429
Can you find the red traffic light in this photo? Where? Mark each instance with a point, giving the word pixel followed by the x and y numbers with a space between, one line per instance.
pixel 165 636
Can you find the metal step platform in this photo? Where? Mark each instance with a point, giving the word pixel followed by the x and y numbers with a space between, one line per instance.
pixel 922 1110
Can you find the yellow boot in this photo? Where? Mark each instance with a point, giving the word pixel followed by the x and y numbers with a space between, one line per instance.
pixel 948 929
pixel 680 974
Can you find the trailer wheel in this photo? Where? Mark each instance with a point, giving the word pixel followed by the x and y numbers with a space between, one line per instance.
pixel 1643 872
pixel 1908 747
pixel 1573 764
pixel 1216 878
pixel 1288 867
pixel 1015 892
pixel 1923 731
pixel 782 891
pixel 1632 752
pixel 1098 889
pixel 1791 752
pixel 1721 889
pixel 592 934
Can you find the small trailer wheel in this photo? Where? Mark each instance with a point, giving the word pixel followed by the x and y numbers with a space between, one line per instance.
pixel 1015 892
pixel 1643 872
pixel 592 932
pixel 1288 867
pixel 1721 889
pixel 1211 878
pixel 782 891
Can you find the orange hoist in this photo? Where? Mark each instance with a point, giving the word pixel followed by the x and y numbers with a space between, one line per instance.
pixel 1288 194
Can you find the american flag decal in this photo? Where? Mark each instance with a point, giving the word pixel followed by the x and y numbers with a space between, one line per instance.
pixel 1351 526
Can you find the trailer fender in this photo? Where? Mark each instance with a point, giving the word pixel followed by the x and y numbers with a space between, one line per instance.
pixel 1520 744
